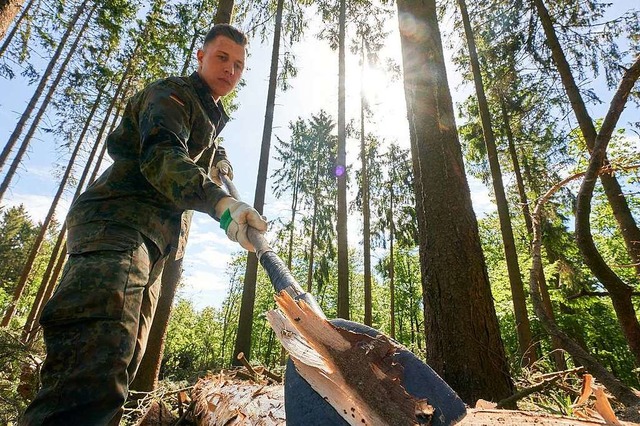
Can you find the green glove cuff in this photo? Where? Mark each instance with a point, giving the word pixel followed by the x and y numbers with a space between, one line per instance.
pixel 225 220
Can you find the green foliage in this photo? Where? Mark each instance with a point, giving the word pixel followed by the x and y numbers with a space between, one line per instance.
pixel 18 375
pixel 17 235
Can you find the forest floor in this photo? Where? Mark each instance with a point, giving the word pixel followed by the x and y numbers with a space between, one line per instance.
pixel 243 397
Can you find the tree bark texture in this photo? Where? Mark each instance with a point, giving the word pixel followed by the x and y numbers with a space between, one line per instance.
pixel 245 321
pixel 341 174
pixel 628 227
pixel 463 338
pixel 523 326
pixel 224 12
pixel 8 11
pixel 619 291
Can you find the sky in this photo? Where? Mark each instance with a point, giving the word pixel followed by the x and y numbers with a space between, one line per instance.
pixel 209 251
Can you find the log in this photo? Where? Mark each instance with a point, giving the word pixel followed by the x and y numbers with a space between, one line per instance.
pixel 225 400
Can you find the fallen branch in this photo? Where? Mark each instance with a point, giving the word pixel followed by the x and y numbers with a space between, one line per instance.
pixel 523 393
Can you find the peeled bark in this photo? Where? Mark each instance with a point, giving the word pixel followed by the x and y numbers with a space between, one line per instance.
pixel 355 373
pixel 225 401
pixel 245 321
pixel 464 345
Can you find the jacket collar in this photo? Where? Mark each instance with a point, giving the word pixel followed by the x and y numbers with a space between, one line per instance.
pixel 215 111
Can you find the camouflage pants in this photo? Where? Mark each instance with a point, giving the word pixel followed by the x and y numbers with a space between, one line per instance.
pixel 96 326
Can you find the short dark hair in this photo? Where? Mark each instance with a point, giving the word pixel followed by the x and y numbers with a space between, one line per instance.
pixel 228 31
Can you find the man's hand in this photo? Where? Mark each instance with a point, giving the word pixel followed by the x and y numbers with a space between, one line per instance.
pixel 235 219
pixel 222 167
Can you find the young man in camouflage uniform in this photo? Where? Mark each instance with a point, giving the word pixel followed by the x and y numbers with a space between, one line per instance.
pixel 165 161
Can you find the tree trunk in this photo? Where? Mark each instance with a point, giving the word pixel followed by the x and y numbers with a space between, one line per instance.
pixel 245 322
pixel 17 131
pixel 556 345
pixel 619 291
pixel 294 209
pixel 392 266
pixel 364 187
pixel 8 11
pixel 225 12
pixel 7 41
pixel 147 376
pixel 28 267
pixel 314 223
pixel 341 175
pixel 618 389
pixel 523 327
pixel 628 227
pixel 463 344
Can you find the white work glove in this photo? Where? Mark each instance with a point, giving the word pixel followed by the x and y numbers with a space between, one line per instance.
pixel 222 167
pixel 236 219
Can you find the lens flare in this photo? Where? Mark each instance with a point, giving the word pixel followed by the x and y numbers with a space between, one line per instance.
pixel 339 170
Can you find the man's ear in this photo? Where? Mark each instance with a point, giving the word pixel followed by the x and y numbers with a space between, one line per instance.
pixel 199 56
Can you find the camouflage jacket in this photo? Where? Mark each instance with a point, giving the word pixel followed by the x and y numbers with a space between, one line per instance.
pixel 162 152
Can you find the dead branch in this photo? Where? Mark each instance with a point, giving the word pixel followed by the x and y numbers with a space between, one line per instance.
pixel 248 366
pixel 523 393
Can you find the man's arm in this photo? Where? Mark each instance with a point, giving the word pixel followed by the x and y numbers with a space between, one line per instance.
pixel 165 126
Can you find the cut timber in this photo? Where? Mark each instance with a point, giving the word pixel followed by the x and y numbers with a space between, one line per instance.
pixel 357 374
pixel 225 401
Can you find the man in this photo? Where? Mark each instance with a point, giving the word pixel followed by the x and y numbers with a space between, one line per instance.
pixel 165 161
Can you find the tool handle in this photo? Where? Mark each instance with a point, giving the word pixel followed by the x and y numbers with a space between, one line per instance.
pixel 279 275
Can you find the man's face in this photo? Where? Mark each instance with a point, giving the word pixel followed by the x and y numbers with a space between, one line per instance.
pixel 220 65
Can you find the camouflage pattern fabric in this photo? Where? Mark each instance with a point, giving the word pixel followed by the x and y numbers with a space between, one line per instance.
pixel 162 152
pixel 96 326
pixel 120 231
